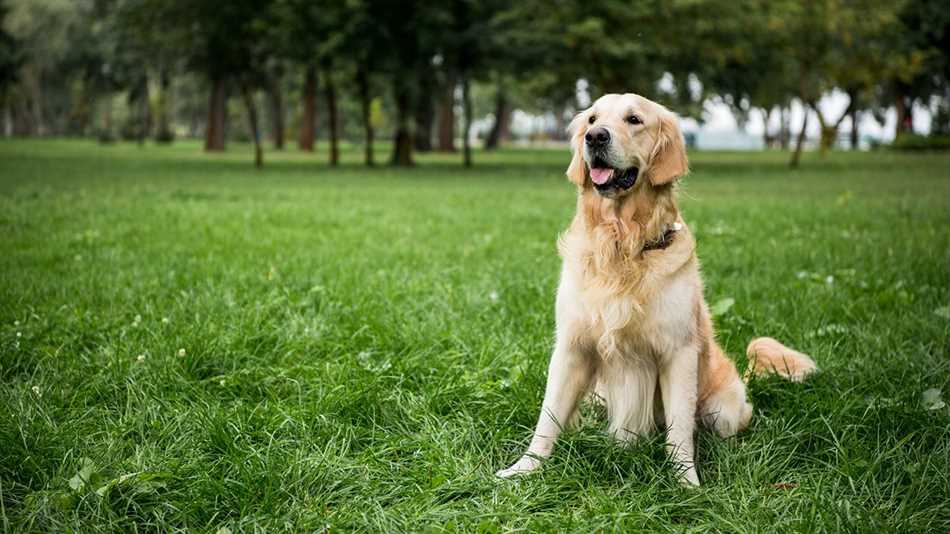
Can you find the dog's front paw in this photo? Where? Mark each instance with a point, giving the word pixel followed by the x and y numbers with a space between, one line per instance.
pixel 525 465
pixel 689 478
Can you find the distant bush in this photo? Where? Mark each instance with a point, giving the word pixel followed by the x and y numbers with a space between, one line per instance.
pixel 105 136
pixel 921 142
pixel 164 136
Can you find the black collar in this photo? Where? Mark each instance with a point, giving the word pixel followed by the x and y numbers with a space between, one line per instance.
pixel 664 241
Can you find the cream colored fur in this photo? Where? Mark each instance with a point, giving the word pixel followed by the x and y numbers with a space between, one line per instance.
pixel 632 325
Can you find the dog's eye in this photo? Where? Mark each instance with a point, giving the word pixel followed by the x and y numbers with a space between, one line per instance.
pixel 633 119
pixel 592 119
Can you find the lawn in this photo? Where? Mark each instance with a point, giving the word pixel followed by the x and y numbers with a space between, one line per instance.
pixel 189 343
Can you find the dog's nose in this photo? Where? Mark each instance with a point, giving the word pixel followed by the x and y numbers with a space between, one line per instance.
pixel 597 137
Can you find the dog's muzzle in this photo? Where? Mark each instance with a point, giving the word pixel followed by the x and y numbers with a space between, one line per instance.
pixel 609 181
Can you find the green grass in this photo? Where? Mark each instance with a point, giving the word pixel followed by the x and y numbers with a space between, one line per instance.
pixel 364 348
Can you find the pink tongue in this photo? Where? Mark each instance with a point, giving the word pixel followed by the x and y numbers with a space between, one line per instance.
pixel 600 176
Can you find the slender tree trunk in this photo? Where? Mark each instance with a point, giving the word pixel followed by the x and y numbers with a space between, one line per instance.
pixel 275 100
pixel 217 105
pixel 333 117
pixel 905 115
pixel 362 84
pixel 164 133
pixel 33 79
pixel 145 129
pixel 499 130
pixel 767 137
pixel 467 129
pixel 796 156
pixel 402 146
pixel 855 118
pixel 785 135
pixel 308 123
pixel 252 123
pixel 447 116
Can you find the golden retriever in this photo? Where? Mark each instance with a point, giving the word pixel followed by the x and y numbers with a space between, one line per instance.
pixel 633 327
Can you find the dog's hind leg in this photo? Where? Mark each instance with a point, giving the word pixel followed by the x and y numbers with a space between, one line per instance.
pixel 723 406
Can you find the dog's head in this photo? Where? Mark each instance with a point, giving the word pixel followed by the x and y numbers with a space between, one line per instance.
pixel 622 138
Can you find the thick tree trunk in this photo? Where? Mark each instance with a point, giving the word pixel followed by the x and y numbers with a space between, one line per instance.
pixel 447 117
pixel 499 130
pixel 402 145
pixel 309 120
pixel 163 132
pixel 217 106
pixel 252 124
pixel 275 106
pixel 333 117
pixel 425 111
pixel 855 119
pixel 800 143
pixel 362 84
pixel 467 128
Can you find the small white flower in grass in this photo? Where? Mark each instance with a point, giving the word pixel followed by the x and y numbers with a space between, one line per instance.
pixel 165 320
pixel 140 358
pixel 137 320
pixel 19 334
pixel 16 323
pixel 36 391
pixel 181 353
pixel 221 383
pixel 830 280
pixel 493 296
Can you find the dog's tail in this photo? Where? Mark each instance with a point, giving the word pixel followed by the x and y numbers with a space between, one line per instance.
pixel 768 356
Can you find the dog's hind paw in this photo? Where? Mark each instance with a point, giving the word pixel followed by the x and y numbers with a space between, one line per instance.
pixel 525 465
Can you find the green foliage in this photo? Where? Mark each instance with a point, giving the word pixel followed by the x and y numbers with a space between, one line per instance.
pixel 362 349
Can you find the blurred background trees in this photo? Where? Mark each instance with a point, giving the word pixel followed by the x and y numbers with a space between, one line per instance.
pixel 429 75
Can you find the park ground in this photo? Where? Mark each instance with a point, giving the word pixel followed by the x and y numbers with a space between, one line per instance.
pixel 189 343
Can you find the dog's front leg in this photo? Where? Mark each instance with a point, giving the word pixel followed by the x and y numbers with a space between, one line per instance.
pixel 569 375
pixel 678 386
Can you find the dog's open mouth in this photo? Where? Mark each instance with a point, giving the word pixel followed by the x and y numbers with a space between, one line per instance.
pixel 607 179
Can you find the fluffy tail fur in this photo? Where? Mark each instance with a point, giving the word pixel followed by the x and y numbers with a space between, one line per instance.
pixel 767 356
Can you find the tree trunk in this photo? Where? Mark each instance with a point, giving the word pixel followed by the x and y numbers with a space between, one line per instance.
pixel 308 122
pixel 333 117
pixel 855 140
pixel 767 137
pixel 163 132
pixel 785 135
pixel 905 115
pixel 362 84
pixel 252 123
pixel 145 128
pixel 424 120
pixel 499 130
pixel 466 130
pixel 796 156
pixel 447 117
pixel 217 105
pixel 402 146
pixel 276 107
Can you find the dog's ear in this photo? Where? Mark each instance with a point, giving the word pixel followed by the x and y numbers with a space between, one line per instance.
pixel 668 160
pixel 577 170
